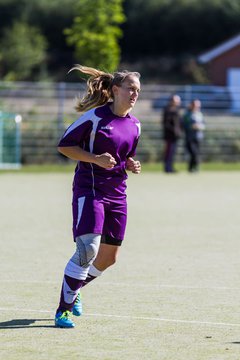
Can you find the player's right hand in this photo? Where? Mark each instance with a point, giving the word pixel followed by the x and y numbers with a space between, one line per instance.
pixel 105 160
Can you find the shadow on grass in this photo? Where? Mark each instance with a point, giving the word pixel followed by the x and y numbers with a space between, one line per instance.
pixel 24 323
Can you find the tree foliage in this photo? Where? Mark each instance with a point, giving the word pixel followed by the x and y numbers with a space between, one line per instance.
pixel 50 18
pixel 95 33
pixel 178 27
pixel 23 48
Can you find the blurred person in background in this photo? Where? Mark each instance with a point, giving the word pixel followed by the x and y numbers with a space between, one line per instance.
pixel 171 126
pixel 193 126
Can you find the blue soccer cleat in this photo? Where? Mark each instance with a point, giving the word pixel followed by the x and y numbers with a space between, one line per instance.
pixel 77 308
pixel 62 319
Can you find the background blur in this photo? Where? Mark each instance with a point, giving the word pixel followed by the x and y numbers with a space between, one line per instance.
pixel 179 46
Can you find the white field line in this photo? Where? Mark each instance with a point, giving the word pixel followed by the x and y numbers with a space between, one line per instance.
pixel 128 317
pixel 171 286
pixel 132 285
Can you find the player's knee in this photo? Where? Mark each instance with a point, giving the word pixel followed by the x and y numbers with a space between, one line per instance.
pixel 111 260
pixel 87 249
pixel 105 260
pixel 91 252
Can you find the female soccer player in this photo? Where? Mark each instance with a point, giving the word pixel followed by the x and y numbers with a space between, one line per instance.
pixel 103 141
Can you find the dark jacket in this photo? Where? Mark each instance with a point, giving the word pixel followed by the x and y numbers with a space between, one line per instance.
pixel 171 123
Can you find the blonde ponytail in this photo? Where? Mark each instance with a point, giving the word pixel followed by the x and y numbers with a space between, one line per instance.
pixel 99 86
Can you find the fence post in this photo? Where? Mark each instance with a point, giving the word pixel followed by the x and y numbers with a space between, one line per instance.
pixel 187 95
pixel 1 138
pixel 18 120
pixel 61 90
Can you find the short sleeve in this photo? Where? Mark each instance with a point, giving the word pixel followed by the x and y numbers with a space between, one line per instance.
pixel 132 153
pixel 77 133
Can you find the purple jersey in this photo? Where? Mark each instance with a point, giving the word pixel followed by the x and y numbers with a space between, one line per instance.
pixel 99 131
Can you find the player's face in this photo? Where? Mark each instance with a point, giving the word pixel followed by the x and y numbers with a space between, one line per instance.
pixel 128 92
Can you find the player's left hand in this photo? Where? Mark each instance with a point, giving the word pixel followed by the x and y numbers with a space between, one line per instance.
pixel 133 166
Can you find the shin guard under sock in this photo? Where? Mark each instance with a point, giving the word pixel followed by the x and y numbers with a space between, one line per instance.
pixel 92 274
pixel 70 289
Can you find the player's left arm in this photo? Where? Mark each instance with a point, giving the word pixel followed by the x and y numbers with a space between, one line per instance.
pixel 133 165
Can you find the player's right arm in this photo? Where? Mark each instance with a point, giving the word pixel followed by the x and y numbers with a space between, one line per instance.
pixel 77 134
pixel 105 160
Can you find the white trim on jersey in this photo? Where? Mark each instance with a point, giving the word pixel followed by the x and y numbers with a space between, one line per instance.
pixel 139 128
pixel 95 119
pixel 87 116
pixel 93 180
pixel 81 202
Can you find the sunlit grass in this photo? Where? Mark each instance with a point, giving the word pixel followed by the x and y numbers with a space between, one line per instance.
pixel 210 166
pixel 146 167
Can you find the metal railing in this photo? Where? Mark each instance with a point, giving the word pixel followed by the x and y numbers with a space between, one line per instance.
pixel 47 108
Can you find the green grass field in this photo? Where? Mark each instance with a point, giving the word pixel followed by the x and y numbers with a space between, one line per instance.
pixel 146 167
pixel 173 294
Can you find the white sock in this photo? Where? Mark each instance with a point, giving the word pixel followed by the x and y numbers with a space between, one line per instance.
pixel 75 271
pixel 93 271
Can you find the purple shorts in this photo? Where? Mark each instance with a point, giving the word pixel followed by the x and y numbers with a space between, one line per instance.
pixel 99 215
